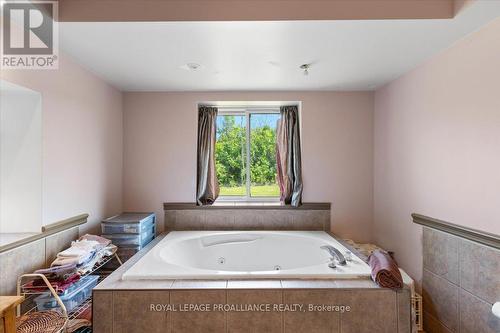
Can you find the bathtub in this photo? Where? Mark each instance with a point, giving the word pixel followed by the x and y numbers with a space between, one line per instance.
pixel 244 255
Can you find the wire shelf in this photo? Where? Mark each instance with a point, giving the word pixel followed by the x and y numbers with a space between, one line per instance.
pixel 80 309
pixel 28 289
pixel 30 292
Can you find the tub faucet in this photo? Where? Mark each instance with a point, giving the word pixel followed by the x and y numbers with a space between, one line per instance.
pixel 335 254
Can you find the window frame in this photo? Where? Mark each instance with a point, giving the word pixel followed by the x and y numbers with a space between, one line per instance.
pixel 247 112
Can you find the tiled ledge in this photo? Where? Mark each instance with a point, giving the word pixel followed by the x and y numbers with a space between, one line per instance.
pixel 344 284
pixel 47 230
pixel 246 205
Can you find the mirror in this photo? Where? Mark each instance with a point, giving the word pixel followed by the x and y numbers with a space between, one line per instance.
pixel 20 159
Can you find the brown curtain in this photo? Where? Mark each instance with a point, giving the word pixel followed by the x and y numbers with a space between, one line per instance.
pixel 207 185
pixel 288 158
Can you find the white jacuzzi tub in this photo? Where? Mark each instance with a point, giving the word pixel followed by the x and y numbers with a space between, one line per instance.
pixel 244 255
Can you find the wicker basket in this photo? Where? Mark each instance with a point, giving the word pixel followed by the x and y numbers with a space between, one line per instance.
pixel 41 322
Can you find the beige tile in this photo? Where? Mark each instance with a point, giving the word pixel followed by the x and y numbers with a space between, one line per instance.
pixel 102 311
pixel 198 321
pixel 132 311
pixel 277 219
pixel 432 325
pixel 480 270
pixel 310 220
pixel 356 284
pixel 169 222
pixel 58 242
pixel 379 304
pixel 440 299
pixel 440 254
pixel 249 220
pixel 253 284
pixel 404 310
pixel 190 220
pixel 199 284
pixel 309 284
pixel 18 261
pixel 312 321
pixel 219 219
pixel 476 315
pixel 120 284
pixel 250 321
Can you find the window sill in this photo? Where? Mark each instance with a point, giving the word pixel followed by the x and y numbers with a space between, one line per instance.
pixel 243 203
pixel 246 205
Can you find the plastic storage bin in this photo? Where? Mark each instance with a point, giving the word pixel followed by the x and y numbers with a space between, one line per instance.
pixel 128 223
pixel 125 253
pixel 131 240
pixel 72 297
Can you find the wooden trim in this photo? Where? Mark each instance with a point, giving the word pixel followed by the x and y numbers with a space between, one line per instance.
pixel 47 231
pixel 246 206
pixel 269 10
pixel 478 236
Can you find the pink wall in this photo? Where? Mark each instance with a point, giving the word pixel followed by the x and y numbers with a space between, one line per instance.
pixel 160 151
pixel 437 144
pixel 82 141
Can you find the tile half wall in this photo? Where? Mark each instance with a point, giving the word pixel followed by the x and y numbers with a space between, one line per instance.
pixel 461 282
pixel 310 216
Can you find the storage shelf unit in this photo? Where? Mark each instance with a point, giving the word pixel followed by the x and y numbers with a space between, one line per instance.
pixel 30 293
pixel 130 232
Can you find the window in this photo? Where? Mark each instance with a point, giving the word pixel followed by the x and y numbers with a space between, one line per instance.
pixel 245 154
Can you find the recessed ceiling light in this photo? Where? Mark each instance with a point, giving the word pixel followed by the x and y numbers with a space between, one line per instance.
pixel 191 66
pixel 305 68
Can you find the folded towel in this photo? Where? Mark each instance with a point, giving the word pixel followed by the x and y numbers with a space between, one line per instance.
pixel 71 260
pixel 97 258
pixel 59 285
pixel 385 271
pixel 58 273
pixel 79 248
pixel 103 242
pixel 79 253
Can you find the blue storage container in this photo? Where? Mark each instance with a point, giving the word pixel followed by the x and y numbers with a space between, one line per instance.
pixel 125 253
pixel 72 297
pixel 129 223
pixel 130 240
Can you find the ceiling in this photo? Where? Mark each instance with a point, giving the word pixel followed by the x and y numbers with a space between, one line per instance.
pixel 251 56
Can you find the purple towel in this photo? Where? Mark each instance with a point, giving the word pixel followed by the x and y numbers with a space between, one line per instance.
pixel 385 271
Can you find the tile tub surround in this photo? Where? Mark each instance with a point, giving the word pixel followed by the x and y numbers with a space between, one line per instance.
pixel 247 216
pixel 460 283
pixel 124 306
